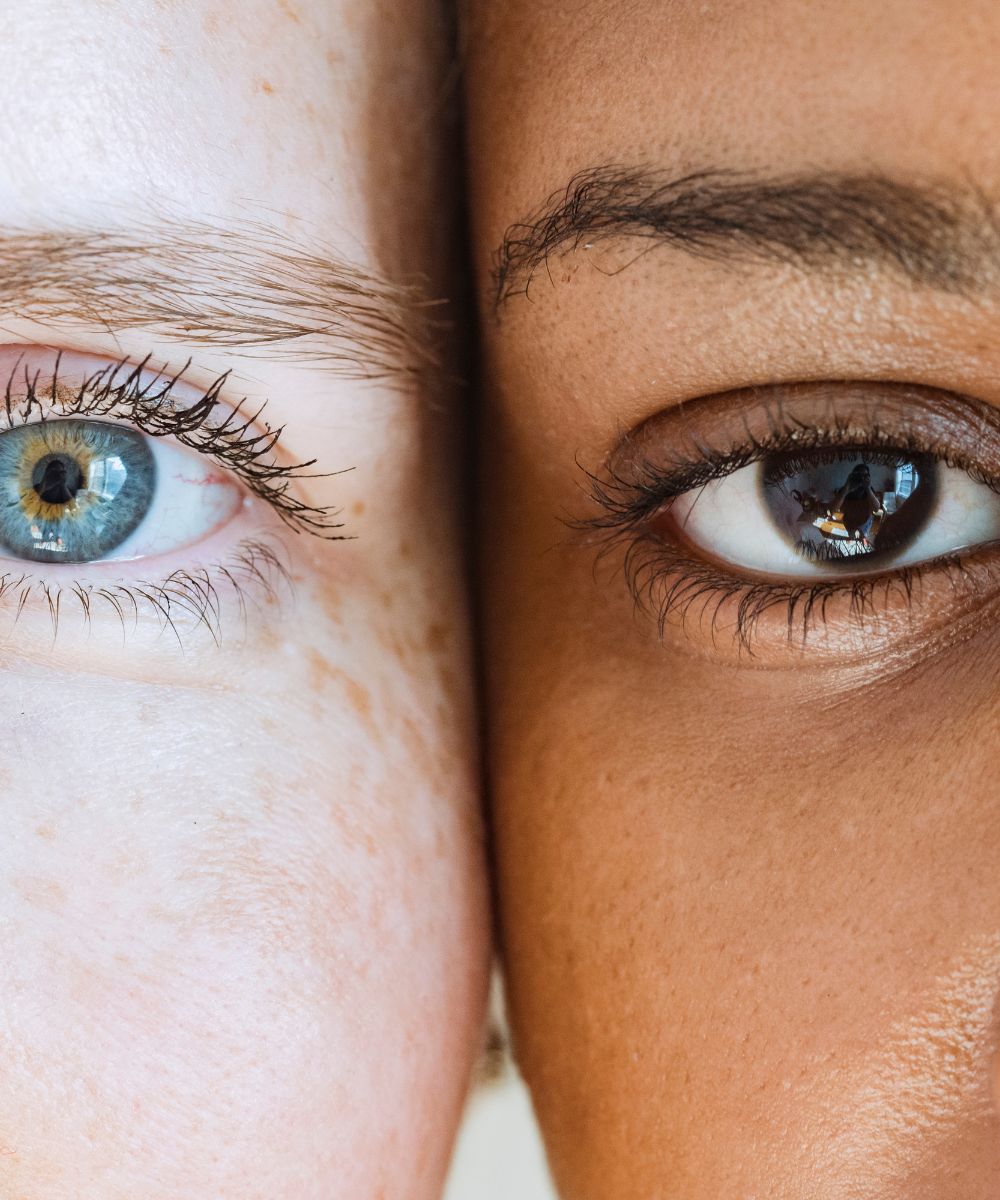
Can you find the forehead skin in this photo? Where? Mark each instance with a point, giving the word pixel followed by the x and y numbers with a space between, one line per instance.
pixel 747 955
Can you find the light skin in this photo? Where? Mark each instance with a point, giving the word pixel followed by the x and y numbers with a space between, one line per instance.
pixel 751 936
pixel 244 916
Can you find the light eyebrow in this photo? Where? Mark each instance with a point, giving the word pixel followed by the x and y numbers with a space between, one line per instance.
pixel 243 285
pixel 935 235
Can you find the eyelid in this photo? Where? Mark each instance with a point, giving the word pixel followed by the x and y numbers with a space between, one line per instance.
pixel 706 438
pixel 36 380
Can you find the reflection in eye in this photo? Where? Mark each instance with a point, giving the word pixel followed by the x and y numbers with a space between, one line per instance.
pixel 860 516
pixel 831 512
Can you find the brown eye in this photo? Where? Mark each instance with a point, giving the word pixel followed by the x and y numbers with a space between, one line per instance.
pixel 833 513
pixel 849 506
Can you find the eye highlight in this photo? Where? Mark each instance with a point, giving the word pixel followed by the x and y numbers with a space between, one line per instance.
pixel 774 514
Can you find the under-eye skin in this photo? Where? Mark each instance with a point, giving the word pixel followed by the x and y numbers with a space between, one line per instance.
pixel 812 515
pixel 110 471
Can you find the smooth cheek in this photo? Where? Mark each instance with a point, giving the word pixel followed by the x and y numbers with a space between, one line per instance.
pixel 749 917
pixel 244 925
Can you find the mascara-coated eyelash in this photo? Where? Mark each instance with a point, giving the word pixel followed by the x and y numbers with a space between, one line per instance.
pixel 681 454
pixel 232 436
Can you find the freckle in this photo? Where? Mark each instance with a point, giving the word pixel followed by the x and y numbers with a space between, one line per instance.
pixel 43 893
pixel 320 671
pixel 265 786
pixel 359 699
pixel 289 12
pixel 386 598
pixel 437 638
pixel 268 639
pixel 211 23
pixel 264 86
pixel 405 550
pixel 332 604
pixel 358 507
pixel 46 830
pixel 450 686
pixel 418 749
pixel 167 50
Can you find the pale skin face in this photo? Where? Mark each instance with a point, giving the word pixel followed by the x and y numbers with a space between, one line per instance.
pixel 244 917
pixel 749 901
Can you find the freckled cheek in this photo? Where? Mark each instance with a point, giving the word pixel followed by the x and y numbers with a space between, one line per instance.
pixel 254 930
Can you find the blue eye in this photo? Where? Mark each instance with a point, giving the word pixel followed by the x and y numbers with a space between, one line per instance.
pixel 86 491
pixel 72 491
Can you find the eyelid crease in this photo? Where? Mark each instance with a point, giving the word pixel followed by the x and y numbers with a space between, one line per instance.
pixel 638 477
pixel 224 432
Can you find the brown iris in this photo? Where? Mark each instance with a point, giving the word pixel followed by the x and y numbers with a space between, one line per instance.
pixel 54 471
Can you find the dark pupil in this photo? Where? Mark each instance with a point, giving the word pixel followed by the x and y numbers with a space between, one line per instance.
pixel 839 507
pixel 57 478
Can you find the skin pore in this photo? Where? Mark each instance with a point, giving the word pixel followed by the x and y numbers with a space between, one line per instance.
pixel 747 865
pixel 244 918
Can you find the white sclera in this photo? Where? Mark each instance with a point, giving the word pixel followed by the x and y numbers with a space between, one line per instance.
pixel 728 519
pixel 192 497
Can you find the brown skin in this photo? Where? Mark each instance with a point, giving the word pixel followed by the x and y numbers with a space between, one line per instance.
pixel 742 960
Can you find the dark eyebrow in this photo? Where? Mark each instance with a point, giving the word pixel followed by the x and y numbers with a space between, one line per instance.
pixel 934 234
pixel 243 285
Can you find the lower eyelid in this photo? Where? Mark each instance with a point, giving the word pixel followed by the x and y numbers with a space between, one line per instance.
pixel 212 599
pixel 698 607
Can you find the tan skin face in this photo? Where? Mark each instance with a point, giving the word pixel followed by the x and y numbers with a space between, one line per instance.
pixel 750 906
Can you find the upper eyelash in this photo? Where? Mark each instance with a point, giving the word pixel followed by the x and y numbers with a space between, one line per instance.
pixel 128 391
pixel 629 500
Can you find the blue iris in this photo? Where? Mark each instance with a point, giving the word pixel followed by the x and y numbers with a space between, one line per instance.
pixel 72 490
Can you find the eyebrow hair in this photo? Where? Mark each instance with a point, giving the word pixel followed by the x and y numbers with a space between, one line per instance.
pixel 242 285
pixel 932 234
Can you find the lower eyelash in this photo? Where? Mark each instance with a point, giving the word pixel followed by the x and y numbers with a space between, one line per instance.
pixel 186 600
pixel 701 590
